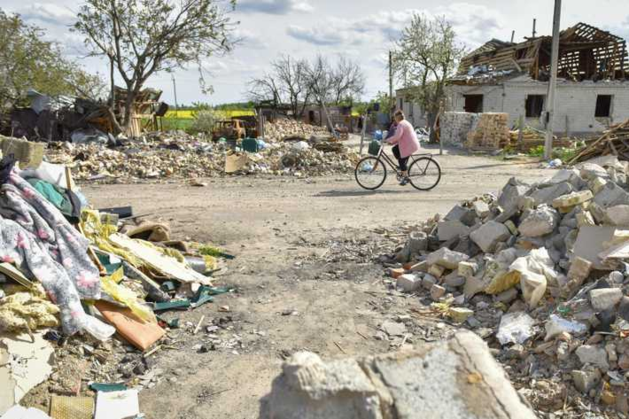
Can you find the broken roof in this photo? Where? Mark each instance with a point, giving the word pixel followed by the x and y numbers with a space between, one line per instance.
pixel 585 53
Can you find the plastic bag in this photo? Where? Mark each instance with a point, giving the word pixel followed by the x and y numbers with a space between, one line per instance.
pixel 110 285
pixel 515 328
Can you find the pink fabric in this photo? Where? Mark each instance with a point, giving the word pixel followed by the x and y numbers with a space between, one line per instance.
pixel 405 138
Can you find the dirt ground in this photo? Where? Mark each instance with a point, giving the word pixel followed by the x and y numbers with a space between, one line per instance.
pixel 291 294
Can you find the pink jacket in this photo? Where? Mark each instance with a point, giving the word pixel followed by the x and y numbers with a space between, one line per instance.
pixel 405 138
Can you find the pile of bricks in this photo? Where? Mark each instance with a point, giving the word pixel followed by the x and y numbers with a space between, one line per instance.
pixel 491 132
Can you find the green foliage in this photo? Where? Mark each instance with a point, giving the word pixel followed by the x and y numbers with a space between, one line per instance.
pixel 29 62
pixel 536 151
pixel 205 120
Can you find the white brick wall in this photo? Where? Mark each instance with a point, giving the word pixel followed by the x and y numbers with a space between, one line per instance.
pixel 575 106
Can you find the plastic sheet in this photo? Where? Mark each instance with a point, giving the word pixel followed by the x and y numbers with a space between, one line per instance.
pixel 110 285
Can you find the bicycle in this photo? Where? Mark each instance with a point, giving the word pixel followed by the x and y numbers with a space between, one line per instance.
pixel 424 173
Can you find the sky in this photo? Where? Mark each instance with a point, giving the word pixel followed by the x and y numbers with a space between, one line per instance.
pixel 362 30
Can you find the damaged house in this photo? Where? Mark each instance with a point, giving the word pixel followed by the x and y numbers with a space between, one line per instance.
pixel 592 87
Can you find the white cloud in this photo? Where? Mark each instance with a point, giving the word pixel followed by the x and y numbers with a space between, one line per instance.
pixel 274 7
pixel 474 24
pixel 249 39
pixel 49 13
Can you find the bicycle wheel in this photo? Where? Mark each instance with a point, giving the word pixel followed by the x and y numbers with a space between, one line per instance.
pixel 370 173
pixel 424 174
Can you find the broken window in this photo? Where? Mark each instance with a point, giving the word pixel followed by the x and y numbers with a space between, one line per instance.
pixel 534 106
pixel 603 106
pixel 473 103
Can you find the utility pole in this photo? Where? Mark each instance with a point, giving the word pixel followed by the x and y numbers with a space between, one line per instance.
pixel 512 36
pixel 534 28
pixel 176 104
pixel 391 80
pixel 552 87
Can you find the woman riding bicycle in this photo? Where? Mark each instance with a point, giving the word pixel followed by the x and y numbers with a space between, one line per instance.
pixel 405 143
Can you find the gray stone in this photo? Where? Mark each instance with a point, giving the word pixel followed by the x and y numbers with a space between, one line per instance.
pixel 417 242
pixel 593 355
pixel 454 280
pixel 490 234
pixel 392 328
pixel 585 381
pixel 539 222
pixel 611 195
pixel 571 176
pixel 456 379
pixel 446 258
pixel 546 195
pixel 623 308
pixel 408 282
pixel 465 215
pixel 507 296
pixel 510 194
pixel 591 171
pixel 447 230
pixel 605 298
pixel 617 215
pixel 428 281
pixel 616 277
pixel 481 208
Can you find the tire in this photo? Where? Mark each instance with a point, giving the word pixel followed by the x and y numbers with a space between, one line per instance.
pixel 370 173
pixel 424 174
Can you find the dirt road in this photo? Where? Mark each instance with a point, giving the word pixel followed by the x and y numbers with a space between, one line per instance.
pixel 291 295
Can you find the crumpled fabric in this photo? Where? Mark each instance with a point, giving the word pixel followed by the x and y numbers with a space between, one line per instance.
pixel 26 311
pixel 20 202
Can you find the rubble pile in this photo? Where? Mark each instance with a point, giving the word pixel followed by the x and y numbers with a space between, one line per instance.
pixel 71 277
pixel 178 155
pixel 540 272
pixel 285 128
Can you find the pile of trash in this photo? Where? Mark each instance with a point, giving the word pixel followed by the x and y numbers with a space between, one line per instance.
pixel 540 271
pixel 73 276
pixel 284 128
pixel 181 156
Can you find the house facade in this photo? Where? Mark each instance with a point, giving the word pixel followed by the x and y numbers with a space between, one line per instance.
pixel 592 89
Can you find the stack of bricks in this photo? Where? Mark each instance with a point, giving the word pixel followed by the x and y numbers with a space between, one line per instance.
pixel 491 132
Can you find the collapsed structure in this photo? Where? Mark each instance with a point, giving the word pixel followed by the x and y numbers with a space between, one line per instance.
pixel 540 271
pixel 592 90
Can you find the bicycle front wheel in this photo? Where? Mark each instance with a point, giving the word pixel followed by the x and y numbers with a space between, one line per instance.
pixel 424 174
pixel 370 173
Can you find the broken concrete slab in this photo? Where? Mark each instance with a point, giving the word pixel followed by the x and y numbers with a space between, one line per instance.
pixel 24 364
pixel 589 170
pixel 586 380
pixel 459 213
pixel 611 195
pixel 589 244
pixel 417 242
pixel 447 230
pixel 481 208
pixel 546 195
pixel 510 194
pixel 605 298
pixel 539 222
pixel 618 215
pixel 446 258
pixel 594 355
pixel 489 235
pixel 454 379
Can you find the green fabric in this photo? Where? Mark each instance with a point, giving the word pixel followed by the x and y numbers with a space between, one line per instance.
pixel 54 194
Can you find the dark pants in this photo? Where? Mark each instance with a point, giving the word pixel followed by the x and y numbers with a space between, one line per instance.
pixel 401 161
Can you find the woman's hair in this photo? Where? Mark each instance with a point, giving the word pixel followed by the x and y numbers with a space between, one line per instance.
pixel 398 114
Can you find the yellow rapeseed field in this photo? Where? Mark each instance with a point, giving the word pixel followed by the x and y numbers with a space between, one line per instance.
pixel 189 114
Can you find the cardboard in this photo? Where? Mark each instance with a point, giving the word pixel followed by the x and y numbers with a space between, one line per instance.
pixel 235 162
pixel 138 333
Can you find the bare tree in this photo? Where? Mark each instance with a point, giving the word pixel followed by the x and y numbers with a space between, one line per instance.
pixel 426 55
pixel 145 37
pixel 287 83
pixel 348 81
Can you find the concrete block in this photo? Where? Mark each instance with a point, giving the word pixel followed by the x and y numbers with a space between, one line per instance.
pixel 454 280
pixel 617 215
pixel 571 176
pixel 597 184
pixel 396 272
pixel 539 222
pixel 454 379
pixel 585 218
pixel 408 282
pixel 447 230
pixel 417 242
pixel 460 314
pixel 467 269
pixel 585 381
pixel 436 270
pixel 420 267
pixel 566 202
pixel 605 298
pixel 594 355
pixel 459 213
pixel 481 208
pixel 436 292
pixel 490 234
pixel 446 258
pixel 546 195
pixel 589 171
pixel 428 281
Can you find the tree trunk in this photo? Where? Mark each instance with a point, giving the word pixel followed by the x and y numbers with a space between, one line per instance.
pixel 128 111
pixel 431 118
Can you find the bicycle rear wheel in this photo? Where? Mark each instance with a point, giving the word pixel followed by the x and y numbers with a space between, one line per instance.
pixel 424 174
pixel 370 173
